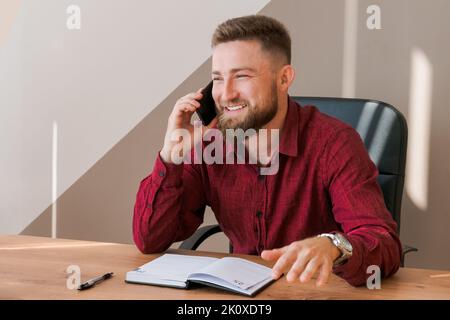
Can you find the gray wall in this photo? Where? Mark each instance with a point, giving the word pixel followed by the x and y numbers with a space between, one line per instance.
pixel 110 87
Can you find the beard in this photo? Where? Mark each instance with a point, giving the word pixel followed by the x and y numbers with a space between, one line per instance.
pixel 256 116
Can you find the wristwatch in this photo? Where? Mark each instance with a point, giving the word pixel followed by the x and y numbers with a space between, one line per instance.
pixel 342 244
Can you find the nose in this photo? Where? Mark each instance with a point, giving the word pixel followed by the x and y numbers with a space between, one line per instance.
pixel 229 91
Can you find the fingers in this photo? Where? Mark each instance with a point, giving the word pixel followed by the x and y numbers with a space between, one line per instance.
pixel 301 260
pixel 271 255
pixel 304 270
pixel 297 268
pixel 283 263
pixel 193 95
pixel 200 90
pixel 186 104
pixel 192 98
pixel 324 275
pixel 180 118
pixel 309 271
pixel 184 107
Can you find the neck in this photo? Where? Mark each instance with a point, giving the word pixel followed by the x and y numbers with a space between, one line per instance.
pixel 276 123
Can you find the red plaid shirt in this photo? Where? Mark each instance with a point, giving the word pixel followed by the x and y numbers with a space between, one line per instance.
pixel 325 182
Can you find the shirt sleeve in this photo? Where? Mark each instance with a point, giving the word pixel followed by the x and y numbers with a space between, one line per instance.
pixel 169 207
pixel 358 207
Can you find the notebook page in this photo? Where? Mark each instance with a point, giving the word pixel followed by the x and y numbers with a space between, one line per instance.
pixel 239 272
pixel 217 282
pixel 174 266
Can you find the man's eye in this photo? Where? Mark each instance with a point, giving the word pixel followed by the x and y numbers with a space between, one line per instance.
pixel 216 79
pixel 242 76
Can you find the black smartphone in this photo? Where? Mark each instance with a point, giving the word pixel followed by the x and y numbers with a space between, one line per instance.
pixel 207 110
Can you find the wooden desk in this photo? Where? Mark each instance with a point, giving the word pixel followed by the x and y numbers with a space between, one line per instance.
pixel 35 268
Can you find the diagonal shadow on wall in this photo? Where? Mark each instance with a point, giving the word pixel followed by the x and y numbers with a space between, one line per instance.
pixel 99 205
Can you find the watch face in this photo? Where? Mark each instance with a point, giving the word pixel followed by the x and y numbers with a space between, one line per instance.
pixel 345 243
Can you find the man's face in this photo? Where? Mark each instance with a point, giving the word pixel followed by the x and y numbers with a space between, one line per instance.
pixel 245 90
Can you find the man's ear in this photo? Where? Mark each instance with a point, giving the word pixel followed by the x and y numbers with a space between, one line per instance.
pixel 286 76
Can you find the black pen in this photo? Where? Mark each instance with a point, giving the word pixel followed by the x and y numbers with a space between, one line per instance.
pixel 92 282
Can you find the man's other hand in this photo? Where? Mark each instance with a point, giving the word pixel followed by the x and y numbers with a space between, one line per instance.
pixel 303 259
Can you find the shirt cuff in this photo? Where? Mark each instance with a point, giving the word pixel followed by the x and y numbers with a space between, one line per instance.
pixel 167 174
pixel 350 269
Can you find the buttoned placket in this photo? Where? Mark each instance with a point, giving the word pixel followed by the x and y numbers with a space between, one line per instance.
pixel 261 196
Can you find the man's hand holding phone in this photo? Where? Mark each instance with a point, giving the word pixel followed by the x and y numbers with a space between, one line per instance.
pixel 180 118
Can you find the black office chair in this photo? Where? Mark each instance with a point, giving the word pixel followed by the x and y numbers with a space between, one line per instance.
pixel 384 132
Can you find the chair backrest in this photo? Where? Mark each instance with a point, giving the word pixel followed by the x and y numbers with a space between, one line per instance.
pixel 384 132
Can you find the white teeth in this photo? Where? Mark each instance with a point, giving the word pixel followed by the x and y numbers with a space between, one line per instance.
pixel 234 108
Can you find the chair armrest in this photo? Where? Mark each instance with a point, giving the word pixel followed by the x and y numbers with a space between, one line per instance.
pixel 200 235
pixel 406 249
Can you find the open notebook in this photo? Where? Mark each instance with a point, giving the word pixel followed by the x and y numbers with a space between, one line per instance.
pixel 174 270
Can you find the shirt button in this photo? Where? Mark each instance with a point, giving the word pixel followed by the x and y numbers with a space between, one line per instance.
pixel 161 173
pixel 258 214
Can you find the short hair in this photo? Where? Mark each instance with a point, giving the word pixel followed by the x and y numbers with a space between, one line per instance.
pixel 269 32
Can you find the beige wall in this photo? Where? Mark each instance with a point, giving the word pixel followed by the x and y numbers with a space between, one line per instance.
pixel 95 84
pixel 395 64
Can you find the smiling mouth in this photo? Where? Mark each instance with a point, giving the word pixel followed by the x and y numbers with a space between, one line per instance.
pixel 235 107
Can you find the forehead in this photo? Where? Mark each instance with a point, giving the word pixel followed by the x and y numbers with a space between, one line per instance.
pixel 238 54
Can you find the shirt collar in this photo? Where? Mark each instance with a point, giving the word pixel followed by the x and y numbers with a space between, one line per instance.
pixel 289 132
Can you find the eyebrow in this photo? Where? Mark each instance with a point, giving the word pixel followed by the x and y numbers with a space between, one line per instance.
pixel 234 70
